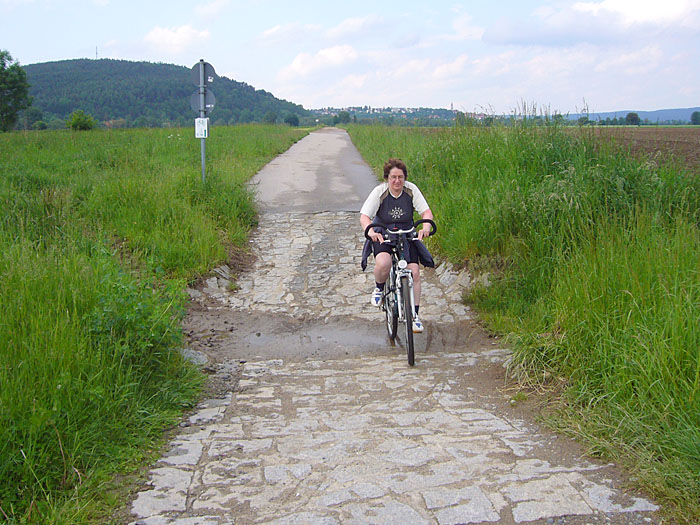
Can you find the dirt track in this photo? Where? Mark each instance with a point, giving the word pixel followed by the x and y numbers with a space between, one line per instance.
pixel 316 418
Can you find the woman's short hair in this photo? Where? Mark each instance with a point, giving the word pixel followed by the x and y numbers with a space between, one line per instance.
pixel 395 163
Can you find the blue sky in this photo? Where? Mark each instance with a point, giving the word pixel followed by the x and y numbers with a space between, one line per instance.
pixel 490 55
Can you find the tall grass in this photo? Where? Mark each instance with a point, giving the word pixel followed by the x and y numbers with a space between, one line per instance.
pixel 98 235
pixel 595 263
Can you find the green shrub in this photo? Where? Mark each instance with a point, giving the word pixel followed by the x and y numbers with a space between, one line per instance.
pixel 79 120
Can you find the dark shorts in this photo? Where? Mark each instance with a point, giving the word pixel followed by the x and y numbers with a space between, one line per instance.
pixel 411 256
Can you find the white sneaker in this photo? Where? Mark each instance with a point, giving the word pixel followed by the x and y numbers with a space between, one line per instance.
pixel 417 325
pixel 376 299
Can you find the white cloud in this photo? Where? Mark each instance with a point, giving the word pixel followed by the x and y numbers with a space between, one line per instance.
pixel 413 68
pixel 494 65
pixel 464 29
pixel 556 63
pixel 606 22
pixel 451 69
pixel 354 27
pixel 354 82
pixel 274 31
pixel 637 62
pixel 174 40
pixel 305 63
pixel 211 8
pixel 288 32
pixel 640 11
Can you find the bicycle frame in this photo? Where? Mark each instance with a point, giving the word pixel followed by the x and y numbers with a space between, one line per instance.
pixel 399 269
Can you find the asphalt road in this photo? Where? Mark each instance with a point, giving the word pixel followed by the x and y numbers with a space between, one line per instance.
pixel 325 173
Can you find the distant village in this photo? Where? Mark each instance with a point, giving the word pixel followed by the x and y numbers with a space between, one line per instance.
pixel 389 115
pixel 446 117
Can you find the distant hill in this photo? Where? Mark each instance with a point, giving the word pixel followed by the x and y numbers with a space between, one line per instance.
pixel 143 93
pixel 659 115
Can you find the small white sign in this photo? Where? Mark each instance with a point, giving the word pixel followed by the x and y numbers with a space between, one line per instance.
pixel 201 128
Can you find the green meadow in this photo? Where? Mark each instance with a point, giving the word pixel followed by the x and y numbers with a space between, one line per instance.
pixel 593 258
pixel 99 233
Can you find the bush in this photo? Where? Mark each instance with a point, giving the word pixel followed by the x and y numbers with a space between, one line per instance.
pixel 270 117
pixel 56 123
pixel 292 120
pixel 695 118
pixel 79 120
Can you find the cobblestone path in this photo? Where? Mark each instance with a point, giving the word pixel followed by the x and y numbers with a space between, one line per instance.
pixel 311 269
pixel 323 438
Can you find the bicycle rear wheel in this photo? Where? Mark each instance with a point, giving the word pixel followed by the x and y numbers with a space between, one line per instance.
pixel 391 311
pixel 408 318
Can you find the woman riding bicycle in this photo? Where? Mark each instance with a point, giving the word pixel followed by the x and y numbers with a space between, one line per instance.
pixel 393 203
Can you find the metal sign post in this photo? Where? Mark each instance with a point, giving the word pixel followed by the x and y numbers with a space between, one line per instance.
pixel 202 101
pixel 202 114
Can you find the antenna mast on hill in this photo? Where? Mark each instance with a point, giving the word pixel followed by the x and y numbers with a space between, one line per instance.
pixel 95 52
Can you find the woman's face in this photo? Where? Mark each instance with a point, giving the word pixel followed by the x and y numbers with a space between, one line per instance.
pixel 396 180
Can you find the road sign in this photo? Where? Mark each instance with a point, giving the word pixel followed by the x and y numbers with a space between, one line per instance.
pixel 201 128
pixel 202 101
pixel 209 101
pixel 209 74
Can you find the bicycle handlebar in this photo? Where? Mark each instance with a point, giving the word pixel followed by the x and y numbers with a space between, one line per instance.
pixel 433 228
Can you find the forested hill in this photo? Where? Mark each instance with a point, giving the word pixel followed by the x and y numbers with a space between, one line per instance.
pixel 143 93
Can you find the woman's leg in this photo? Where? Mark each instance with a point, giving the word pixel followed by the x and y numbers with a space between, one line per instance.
pixel 416 282
pixel 382 266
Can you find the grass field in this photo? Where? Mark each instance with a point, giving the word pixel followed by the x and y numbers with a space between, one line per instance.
pixel 591 242
pixel 99 233
pixel 593 249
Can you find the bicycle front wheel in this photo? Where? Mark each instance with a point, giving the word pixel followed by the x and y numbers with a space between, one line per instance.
pixel 391 310
pixel 408 318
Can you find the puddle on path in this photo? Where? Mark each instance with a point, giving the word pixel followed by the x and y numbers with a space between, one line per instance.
pixel 224 334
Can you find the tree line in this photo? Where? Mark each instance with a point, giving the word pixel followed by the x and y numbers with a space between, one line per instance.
pixel 120 93
pixel 633 119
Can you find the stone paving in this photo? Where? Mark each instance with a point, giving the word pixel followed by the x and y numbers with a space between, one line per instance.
pixel 311 268
pixel 316 418
pixel 368 439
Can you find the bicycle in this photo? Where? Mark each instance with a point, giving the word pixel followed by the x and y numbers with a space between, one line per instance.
pixel 398 302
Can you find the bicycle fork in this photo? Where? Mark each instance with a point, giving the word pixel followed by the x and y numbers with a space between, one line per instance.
pixel 399 286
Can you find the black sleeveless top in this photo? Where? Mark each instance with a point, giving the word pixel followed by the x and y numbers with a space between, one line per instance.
pixel 396 212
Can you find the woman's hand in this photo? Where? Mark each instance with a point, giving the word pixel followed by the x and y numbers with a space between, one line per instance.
pixel 376 236
pixel 425 230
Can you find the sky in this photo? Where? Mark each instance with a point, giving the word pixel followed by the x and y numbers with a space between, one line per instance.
pixel 474 56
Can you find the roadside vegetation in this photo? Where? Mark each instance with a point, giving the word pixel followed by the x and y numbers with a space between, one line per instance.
pixel 99 233
pixel 593 255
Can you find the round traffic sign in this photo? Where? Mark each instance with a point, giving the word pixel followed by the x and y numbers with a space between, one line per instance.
pixel 209 102
pixel 209 74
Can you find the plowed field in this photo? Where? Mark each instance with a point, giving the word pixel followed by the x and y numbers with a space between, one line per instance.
pixel 680 142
